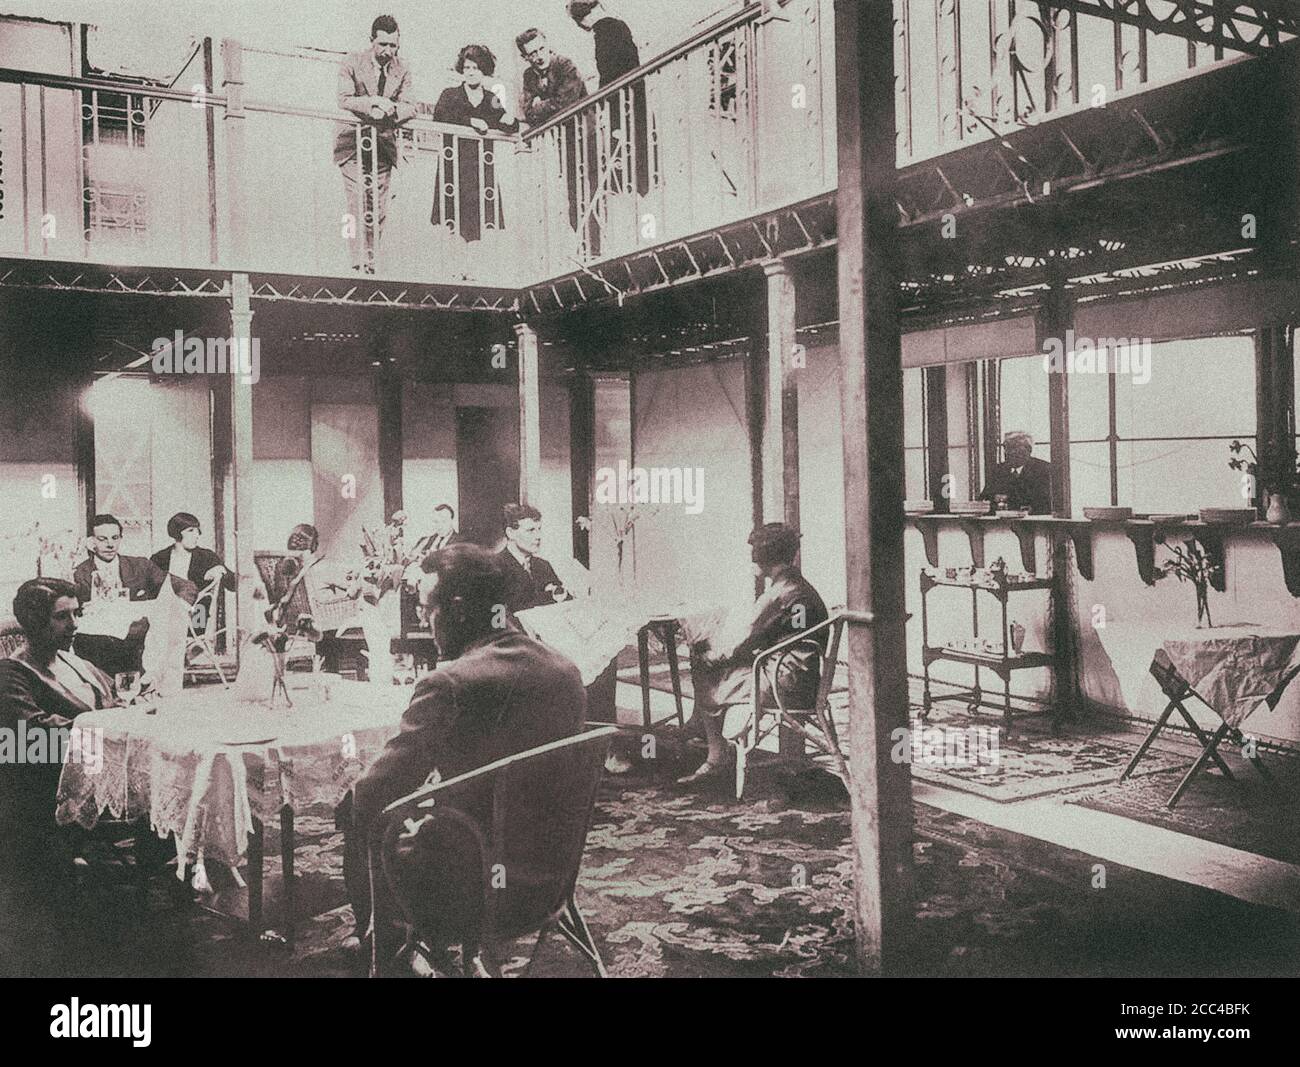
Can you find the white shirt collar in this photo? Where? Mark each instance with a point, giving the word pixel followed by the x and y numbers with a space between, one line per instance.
pixel 524 561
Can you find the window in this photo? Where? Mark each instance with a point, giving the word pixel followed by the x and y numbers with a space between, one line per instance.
pixel 915 445
pixel 1154 433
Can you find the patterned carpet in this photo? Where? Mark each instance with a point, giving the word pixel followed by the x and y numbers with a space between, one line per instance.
pixel 1243 813
pixel 687 883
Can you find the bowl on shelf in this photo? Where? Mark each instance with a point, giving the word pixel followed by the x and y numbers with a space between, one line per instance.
pixel 1166 518
pixel 918 507
pixel 1107 514
pixel 1238 516
pixel 1012 513
pixel 969 507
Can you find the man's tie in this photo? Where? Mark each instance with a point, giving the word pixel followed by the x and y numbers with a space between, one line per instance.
pixel 383 80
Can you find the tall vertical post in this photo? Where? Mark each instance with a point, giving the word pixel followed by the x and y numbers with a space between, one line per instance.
pixel 871 392
pixel 1055 321
pixel 582 456
pixel 232 85
pixel 388 401
pixel 530 420
pixel 241 453
pixel 84 455
pixel 781 402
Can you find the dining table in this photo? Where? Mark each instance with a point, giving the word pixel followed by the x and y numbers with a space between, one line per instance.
pixel 212 769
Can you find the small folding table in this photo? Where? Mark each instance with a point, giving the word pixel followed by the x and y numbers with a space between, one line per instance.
pixel 1232 670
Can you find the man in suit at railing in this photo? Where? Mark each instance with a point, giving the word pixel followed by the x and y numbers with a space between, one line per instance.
pixel 496 692
pixel 375 85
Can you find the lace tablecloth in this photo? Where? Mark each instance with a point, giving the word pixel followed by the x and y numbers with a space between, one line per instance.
pixel 1234 668
pixel 204 764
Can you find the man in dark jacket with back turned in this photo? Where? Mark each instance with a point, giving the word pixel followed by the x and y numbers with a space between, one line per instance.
pixel 496 692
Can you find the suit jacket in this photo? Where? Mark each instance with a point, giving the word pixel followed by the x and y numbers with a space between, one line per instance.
pixel 202 560
pixel 28 791
pixel 1032 489
pixel 453 107
pixel 616 52
pixel 359 76
pixel 141 576
pixel 504 694
pixel 556 88
pixel 525 590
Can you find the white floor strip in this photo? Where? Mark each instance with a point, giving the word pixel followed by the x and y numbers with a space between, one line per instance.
pixel 1153 849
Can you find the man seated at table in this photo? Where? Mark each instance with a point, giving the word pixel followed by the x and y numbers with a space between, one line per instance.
pixel 496 692
pixel 1026 482
pixel 109 575
pixel 530 581
pixel 43 686
pixel 721 664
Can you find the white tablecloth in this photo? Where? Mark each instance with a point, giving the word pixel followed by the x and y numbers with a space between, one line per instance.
pixel 1234 668
pixel 204 764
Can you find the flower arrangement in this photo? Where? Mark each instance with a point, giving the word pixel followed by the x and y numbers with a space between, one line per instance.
pixel 1279 480
pixel 56 551
pixel 1189 563
pixel 623 519
pixel 385 556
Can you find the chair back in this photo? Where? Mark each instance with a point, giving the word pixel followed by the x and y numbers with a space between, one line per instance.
pixel 515 829
pixel 12 638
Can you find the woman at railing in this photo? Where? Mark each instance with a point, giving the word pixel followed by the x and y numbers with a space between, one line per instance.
pixel 471 201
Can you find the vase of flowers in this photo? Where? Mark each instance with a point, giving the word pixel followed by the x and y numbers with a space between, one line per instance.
pixel 623 522
pixel 1188 562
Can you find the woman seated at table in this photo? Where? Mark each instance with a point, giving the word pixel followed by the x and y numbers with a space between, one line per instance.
pixel 722 663
pixel 186 558
pixel 465 201
pixel 43 686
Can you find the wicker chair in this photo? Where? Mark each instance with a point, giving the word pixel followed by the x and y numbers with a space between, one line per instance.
pixel 498 852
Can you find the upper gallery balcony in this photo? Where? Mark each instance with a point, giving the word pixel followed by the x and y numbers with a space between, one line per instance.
pixel 217 168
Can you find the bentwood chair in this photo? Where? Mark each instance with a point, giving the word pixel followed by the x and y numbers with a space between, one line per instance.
pixel 809 721
pixel 203 633
pixel 493 855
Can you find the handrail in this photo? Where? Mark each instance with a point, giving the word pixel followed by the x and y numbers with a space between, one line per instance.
pixel 739 18
pixel 64 81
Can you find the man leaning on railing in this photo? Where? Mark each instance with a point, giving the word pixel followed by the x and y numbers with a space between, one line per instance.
pixel 375 85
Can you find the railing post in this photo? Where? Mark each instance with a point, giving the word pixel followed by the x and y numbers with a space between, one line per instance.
pixel 232 62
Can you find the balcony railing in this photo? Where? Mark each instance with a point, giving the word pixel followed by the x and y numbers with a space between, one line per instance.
pixel 734 122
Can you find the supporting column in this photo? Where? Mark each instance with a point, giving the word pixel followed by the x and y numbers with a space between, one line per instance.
pixel 232 62
pixel 530 422
pixel 1274 410
pixel 1055 320
pixel 84 455
pixel 241 455
pixel 781 402
pixel 582 456
pixel 388 401
pixel 871 392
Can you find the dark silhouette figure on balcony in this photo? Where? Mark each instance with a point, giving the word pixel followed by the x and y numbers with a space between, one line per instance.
pixel 375 85
pixel 466 202
pixel 616 55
